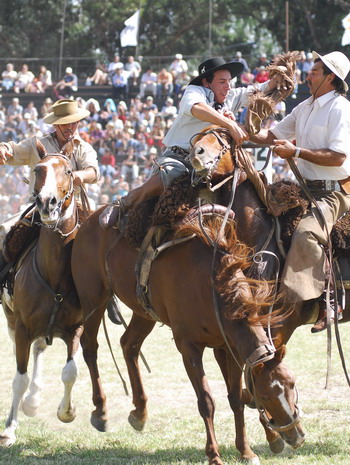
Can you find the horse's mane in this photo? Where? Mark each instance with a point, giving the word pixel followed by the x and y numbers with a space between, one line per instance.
pixel 240 297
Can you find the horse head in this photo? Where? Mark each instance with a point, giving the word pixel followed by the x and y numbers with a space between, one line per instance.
pixel 271 387
pixel 211 152
pixel 53 189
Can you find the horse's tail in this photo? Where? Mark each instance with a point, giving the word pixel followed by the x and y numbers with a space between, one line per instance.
pixel 240 296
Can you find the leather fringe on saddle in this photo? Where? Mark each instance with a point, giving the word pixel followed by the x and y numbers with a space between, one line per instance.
pixel 276 204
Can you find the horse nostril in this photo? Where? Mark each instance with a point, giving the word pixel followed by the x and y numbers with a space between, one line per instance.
pixel 53 201
pixel 38 202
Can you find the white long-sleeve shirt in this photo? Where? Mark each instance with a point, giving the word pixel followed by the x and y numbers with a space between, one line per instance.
pixel 25 153
pixel 323 123
pixel 186 125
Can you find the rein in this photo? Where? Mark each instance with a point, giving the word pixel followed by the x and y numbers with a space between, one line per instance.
pixel 57 297
pixel 329 256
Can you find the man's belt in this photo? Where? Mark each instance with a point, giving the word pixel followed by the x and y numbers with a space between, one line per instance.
pixel 323 185
pixel 179 151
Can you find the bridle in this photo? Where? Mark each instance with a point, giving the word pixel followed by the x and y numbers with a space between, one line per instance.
pixel 60 204
pixel 261 355
pixel 207 173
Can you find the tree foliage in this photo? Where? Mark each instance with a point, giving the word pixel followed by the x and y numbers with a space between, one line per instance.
pixel 33 28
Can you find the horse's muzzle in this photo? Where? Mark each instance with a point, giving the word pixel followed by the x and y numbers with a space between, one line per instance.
pixel 46 206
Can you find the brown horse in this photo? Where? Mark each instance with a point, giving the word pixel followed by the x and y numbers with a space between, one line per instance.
pixel 44 303
pixel 213 156
pixel 181 287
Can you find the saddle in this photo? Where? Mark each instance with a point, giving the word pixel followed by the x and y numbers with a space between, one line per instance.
pixel 152 227
pixel 18 242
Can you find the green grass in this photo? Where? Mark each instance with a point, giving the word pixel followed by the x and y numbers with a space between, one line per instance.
pixel 175 432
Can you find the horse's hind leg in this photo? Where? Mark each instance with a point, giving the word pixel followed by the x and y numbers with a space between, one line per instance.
pixel 31 401
pixel 131 342
pixel 192 358
pixel 66 411
pixel 232 374
pixel 19 385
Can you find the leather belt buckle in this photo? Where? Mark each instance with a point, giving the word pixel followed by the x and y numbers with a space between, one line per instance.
pixel 329 185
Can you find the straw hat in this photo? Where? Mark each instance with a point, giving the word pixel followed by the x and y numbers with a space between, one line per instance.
pixel 215 64
pixel 65 111
pixel 337 62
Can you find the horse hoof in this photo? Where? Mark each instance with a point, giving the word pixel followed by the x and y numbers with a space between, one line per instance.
pixel 6 441
pixel 252 460
pixel 30 410
pixel 66 416
pixel 277 446
pixel 135 422
pixel 99 424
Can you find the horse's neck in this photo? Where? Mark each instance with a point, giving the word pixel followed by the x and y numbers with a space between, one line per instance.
pixel 250 338
pixel 253 221
pixel 53 254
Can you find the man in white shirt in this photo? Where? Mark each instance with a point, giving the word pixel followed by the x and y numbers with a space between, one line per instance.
pixel 208 99
pixel 320 127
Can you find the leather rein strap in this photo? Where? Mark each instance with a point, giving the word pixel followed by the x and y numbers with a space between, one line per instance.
pixel 313 201
pixel 57 297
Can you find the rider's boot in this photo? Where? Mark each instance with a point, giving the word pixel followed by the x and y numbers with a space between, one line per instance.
pixel 321 323
pixel 152 188
pixel 113 310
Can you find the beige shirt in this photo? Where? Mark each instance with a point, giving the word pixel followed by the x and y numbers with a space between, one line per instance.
pixel 25 153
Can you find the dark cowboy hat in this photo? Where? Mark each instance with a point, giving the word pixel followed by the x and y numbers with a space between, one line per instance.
pixel 215 64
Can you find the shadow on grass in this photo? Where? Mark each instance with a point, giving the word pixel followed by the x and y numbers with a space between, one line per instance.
pixel 119 455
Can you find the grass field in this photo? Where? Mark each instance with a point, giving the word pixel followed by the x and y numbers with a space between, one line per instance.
pixel 175 432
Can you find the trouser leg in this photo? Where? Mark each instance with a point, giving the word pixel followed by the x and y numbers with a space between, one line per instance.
pixel 304 275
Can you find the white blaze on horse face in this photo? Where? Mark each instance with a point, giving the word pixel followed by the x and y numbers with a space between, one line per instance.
pixel 281 396
pixel 50 186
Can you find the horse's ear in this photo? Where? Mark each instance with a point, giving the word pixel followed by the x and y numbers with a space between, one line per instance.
pixel 40 148
pixel 258 369
pixel 281 352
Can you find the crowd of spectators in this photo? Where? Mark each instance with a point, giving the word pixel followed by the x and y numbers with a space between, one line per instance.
pixel 126 132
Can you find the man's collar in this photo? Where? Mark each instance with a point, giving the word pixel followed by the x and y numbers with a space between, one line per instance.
pixel 323 99
pixel 209 94
pixel 76 138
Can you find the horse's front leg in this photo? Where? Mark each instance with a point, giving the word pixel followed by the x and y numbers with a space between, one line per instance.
pixel 192 358
pixel 31 401
pixel 99 416
pixel 131 341
pixel 66 410
pixel 19 385
pixel 232 374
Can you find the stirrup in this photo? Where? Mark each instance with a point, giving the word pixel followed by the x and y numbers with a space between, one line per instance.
pixel 321 324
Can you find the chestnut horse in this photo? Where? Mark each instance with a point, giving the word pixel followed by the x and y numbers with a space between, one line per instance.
pixel 213 155
pixel 182 292
pixel 44 303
